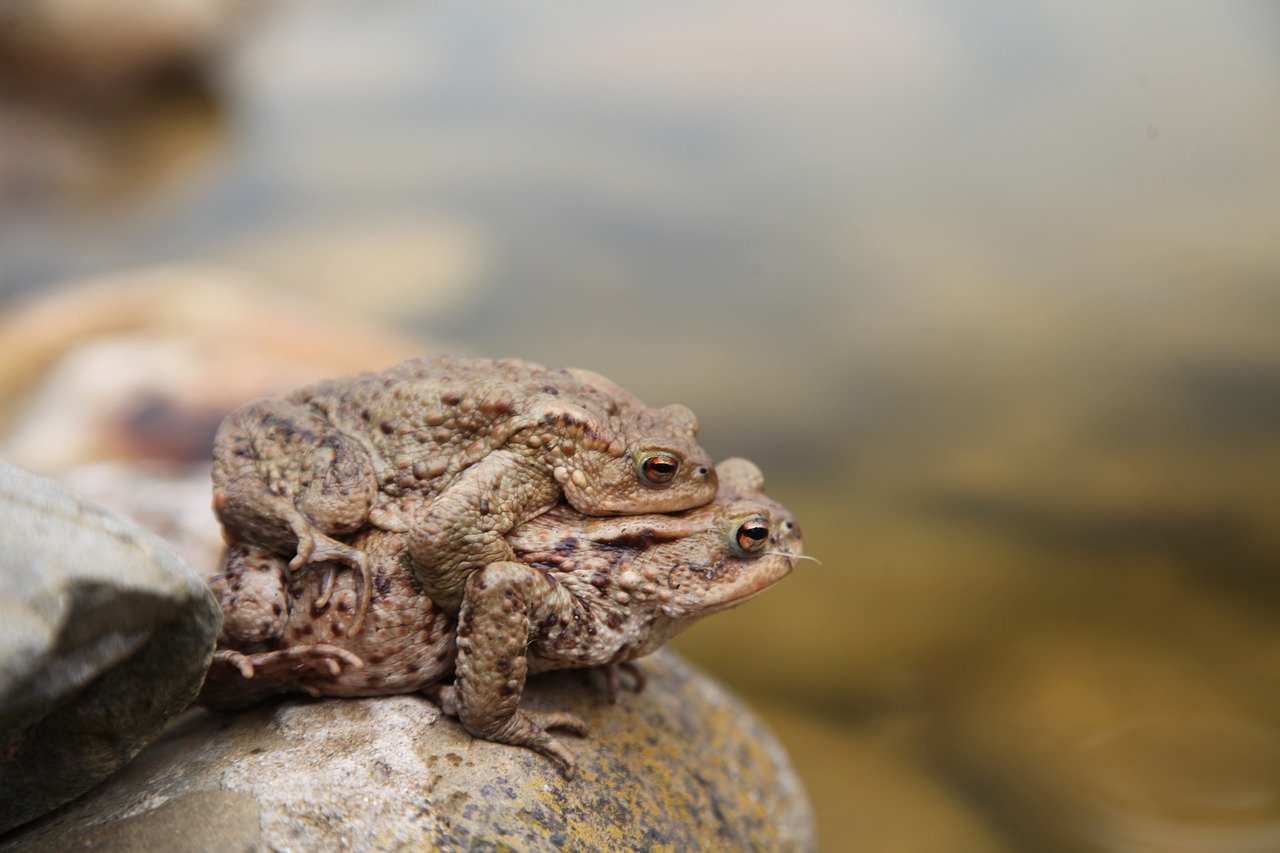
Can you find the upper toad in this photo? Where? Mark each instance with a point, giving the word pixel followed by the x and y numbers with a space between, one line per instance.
pixel 454 452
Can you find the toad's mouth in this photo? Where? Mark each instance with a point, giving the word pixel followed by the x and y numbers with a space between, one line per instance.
pixel 764 572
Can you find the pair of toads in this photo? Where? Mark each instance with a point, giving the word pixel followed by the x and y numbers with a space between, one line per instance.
pixel 478 519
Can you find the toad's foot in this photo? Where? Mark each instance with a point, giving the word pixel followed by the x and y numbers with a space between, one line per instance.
pixel 291 663
pixel 526 728
pixel 315 547
pixel 611 676
pixel 531 729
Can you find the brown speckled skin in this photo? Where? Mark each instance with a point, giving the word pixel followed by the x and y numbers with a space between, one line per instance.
pixel 453 451
pixel 582 592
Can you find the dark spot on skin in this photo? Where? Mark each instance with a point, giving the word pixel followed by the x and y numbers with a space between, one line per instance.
pixel 336 627
pixel 613 620
pixel 374 678
pixel 599 580
pixel 484 506
pixel 568 545
pixel 366 415
pixel 451 399
pixel 382 583
pixel 376 658
pixel 560 419
pixel 551 389
pixel 276 608
pixel 506 689
pixel 388 426
pixel 305 630
pixel 289 429
pixel 640 539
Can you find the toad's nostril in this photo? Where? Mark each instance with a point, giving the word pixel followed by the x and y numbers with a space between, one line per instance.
pixel 702 471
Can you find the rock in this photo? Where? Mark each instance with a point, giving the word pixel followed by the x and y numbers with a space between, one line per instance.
pixel 142 365
pixel 105 635
pixel 173 502
pixel 682 765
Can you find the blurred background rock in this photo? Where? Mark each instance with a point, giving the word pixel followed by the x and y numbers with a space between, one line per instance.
pixel 990 293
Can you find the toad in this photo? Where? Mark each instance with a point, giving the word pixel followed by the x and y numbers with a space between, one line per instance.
pixel 581 592
pixel 451 452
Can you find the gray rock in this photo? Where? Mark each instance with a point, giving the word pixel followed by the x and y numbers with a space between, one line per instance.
pixel 682 765
pixel 105 635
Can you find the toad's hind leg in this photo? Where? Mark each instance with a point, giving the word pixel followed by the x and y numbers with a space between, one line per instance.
pixel 501 604
pixel 237 680
pixel 287 480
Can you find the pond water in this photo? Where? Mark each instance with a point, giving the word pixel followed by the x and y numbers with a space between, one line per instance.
pixel 991 293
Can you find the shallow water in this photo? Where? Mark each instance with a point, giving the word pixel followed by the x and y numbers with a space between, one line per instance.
pixel 990 293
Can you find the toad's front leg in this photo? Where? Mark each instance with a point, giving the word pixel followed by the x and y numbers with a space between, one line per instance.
pixel 462 530
pixel 502 603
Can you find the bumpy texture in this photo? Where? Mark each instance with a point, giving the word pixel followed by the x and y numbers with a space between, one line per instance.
pixel 455 453
pixel 580 593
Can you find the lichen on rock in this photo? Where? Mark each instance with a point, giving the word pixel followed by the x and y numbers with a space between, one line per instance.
pixel 682 765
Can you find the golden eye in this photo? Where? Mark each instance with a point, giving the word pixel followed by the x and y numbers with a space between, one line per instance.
pixel 660 469
pixel 752 534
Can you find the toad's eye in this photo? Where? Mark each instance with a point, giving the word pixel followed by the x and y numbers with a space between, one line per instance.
pixel 752 534
pixel 660 469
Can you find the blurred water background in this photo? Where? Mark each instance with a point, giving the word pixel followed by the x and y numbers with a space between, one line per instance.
pixel 991 292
